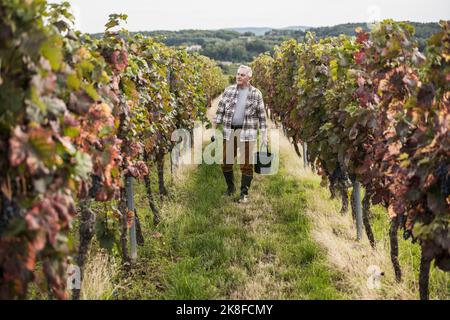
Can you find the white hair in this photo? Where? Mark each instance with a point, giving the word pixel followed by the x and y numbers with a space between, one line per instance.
pixel 248 69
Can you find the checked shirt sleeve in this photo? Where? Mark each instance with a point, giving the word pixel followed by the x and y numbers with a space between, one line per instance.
pixel 220 110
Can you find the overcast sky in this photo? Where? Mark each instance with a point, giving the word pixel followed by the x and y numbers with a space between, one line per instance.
pixel 211 14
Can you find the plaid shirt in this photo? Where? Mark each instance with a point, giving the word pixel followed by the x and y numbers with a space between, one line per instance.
pixel 254 113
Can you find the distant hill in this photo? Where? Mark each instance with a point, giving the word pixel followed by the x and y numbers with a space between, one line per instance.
pixel 301 28
pixel 243 44
pixel 258 31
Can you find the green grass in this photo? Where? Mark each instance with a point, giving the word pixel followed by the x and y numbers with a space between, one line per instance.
pixel 300 255
pixel 213 248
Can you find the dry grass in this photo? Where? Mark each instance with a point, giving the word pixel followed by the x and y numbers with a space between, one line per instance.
pixel 336 233
pixel 98 277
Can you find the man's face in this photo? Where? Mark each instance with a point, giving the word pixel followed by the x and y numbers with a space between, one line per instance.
pixel 242 78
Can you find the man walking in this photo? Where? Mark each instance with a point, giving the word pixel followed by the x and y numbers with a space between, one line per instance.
pixel 241 110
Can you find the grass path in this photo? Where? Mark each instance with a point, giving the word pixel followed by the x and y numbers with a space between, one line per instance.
pixel 210 247
pixel 213 248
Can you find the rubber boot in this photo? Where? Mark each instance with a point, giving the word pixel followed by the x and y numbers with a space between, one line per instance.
pixel 229 177
pixel 245 187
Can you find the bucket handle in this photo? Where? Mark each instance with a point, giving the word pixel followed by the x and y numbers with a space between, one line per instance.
pixel 267 147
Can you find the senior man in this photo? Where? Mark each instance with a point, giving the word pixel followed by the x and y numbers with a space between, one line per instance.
pixel 241 110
